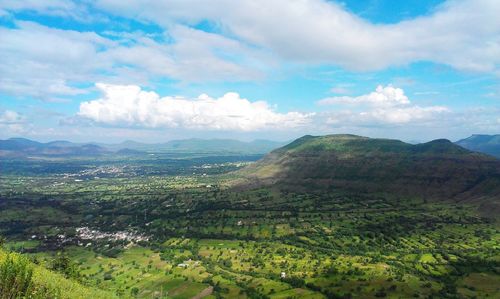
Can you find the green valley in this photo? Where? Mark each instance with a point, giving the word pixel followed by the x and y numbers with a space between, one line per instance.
pixel 323 217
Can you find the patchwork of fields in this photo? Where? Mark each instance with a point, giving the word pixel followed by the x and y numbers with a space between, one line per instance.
pixel 204 239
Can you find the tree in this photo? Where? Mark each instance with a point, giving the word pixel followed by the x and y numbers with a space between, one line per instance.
pixel 63 264
pixel 134 291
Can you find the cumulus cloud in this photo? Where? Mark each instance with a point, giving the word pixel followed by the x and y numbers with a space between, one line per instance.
pixel 385 105
pixel 129 105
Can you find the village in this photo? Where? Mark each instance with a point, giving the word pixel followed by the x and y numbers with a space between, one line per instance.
pixel 86 233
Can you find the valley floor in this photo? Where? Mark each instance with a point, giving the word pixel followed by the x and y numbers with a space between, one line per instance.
pixel 188 236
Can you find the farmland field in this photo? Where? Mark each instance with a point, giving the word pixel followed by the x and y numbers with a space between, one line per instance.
pixel 188 232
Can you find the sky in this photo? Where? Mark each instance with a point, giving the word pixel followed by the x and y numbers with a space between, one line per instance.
pixel 153 71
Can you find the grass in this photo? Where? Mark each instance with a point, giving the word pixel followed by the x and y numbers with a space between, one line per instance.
pixel 47 283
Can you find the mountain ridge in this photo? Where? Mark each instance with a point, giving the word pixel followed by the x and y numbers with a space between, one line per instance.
pixel 197 145
pixel 20 147
pixel 488 144
pixel 438 169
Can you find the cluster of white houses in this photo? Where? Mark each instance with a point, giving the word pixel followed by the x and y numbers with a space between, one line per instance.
pixel 86 233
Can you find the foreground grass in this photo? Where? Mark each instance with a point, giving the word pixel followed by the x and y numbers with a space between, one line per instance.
pixel 47 284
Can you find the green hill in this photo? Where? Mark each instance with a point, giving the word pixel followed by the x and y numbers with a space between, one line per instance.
pixel 20 278
pixel 437 170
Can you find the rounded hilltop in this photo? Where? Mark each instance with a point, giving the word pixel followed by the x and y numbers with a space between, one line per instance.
pixel 435 169
pixel 353 144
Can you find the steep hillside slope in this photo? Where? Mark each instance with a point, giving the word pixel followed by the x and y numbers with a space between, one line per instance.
pixel 40 283
pixel 438 169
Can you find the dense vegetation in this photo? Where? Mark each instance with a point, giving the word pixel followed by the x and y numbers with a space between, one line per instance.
pixel 437 170
pixel 20 278
pixel 192 232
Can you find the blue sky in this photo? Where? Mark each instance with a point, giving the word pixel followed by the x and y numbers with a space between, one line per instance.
pixel 110 70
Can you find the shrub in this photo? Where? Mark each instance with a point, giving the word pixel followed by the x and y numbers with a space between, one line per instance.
pixel 134 291
pixel 15 277
pixel 63 264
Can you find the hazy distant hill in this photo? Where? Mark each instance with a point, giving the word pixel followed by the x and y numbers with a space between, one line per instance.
pixel 21 147
pixel 195 145
pixel 437 169
pixel 223 145
pixel 488 144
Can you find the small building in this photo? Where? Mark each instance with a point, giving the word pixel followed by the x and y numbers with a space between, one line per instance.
pixel 283 275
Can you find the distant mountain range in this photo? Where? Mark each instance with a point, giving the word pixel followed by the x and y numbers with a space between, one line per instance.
pixel 488 144
pixel 434 170
pixel 196 145
pixel 21 147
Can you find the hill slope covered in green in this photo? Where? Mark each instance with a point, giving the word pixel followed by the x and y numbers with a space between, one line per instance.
pixel 20 278
pixel 438 169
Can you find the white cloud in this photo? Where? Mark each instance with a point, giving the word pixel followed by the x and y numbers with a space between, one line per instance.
pixel 45 6
pixel 426 93
pixel 463 34
pixel 49 63
pixel 412 116
pixel 382 96
pixel 42 62
pixel 129 105
pixel 251 38
pixel 12 123
pixel 11 117
pixel 385 105
pixel 192 56
pixel 404 115
pixel 340 89
pixel 77 10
